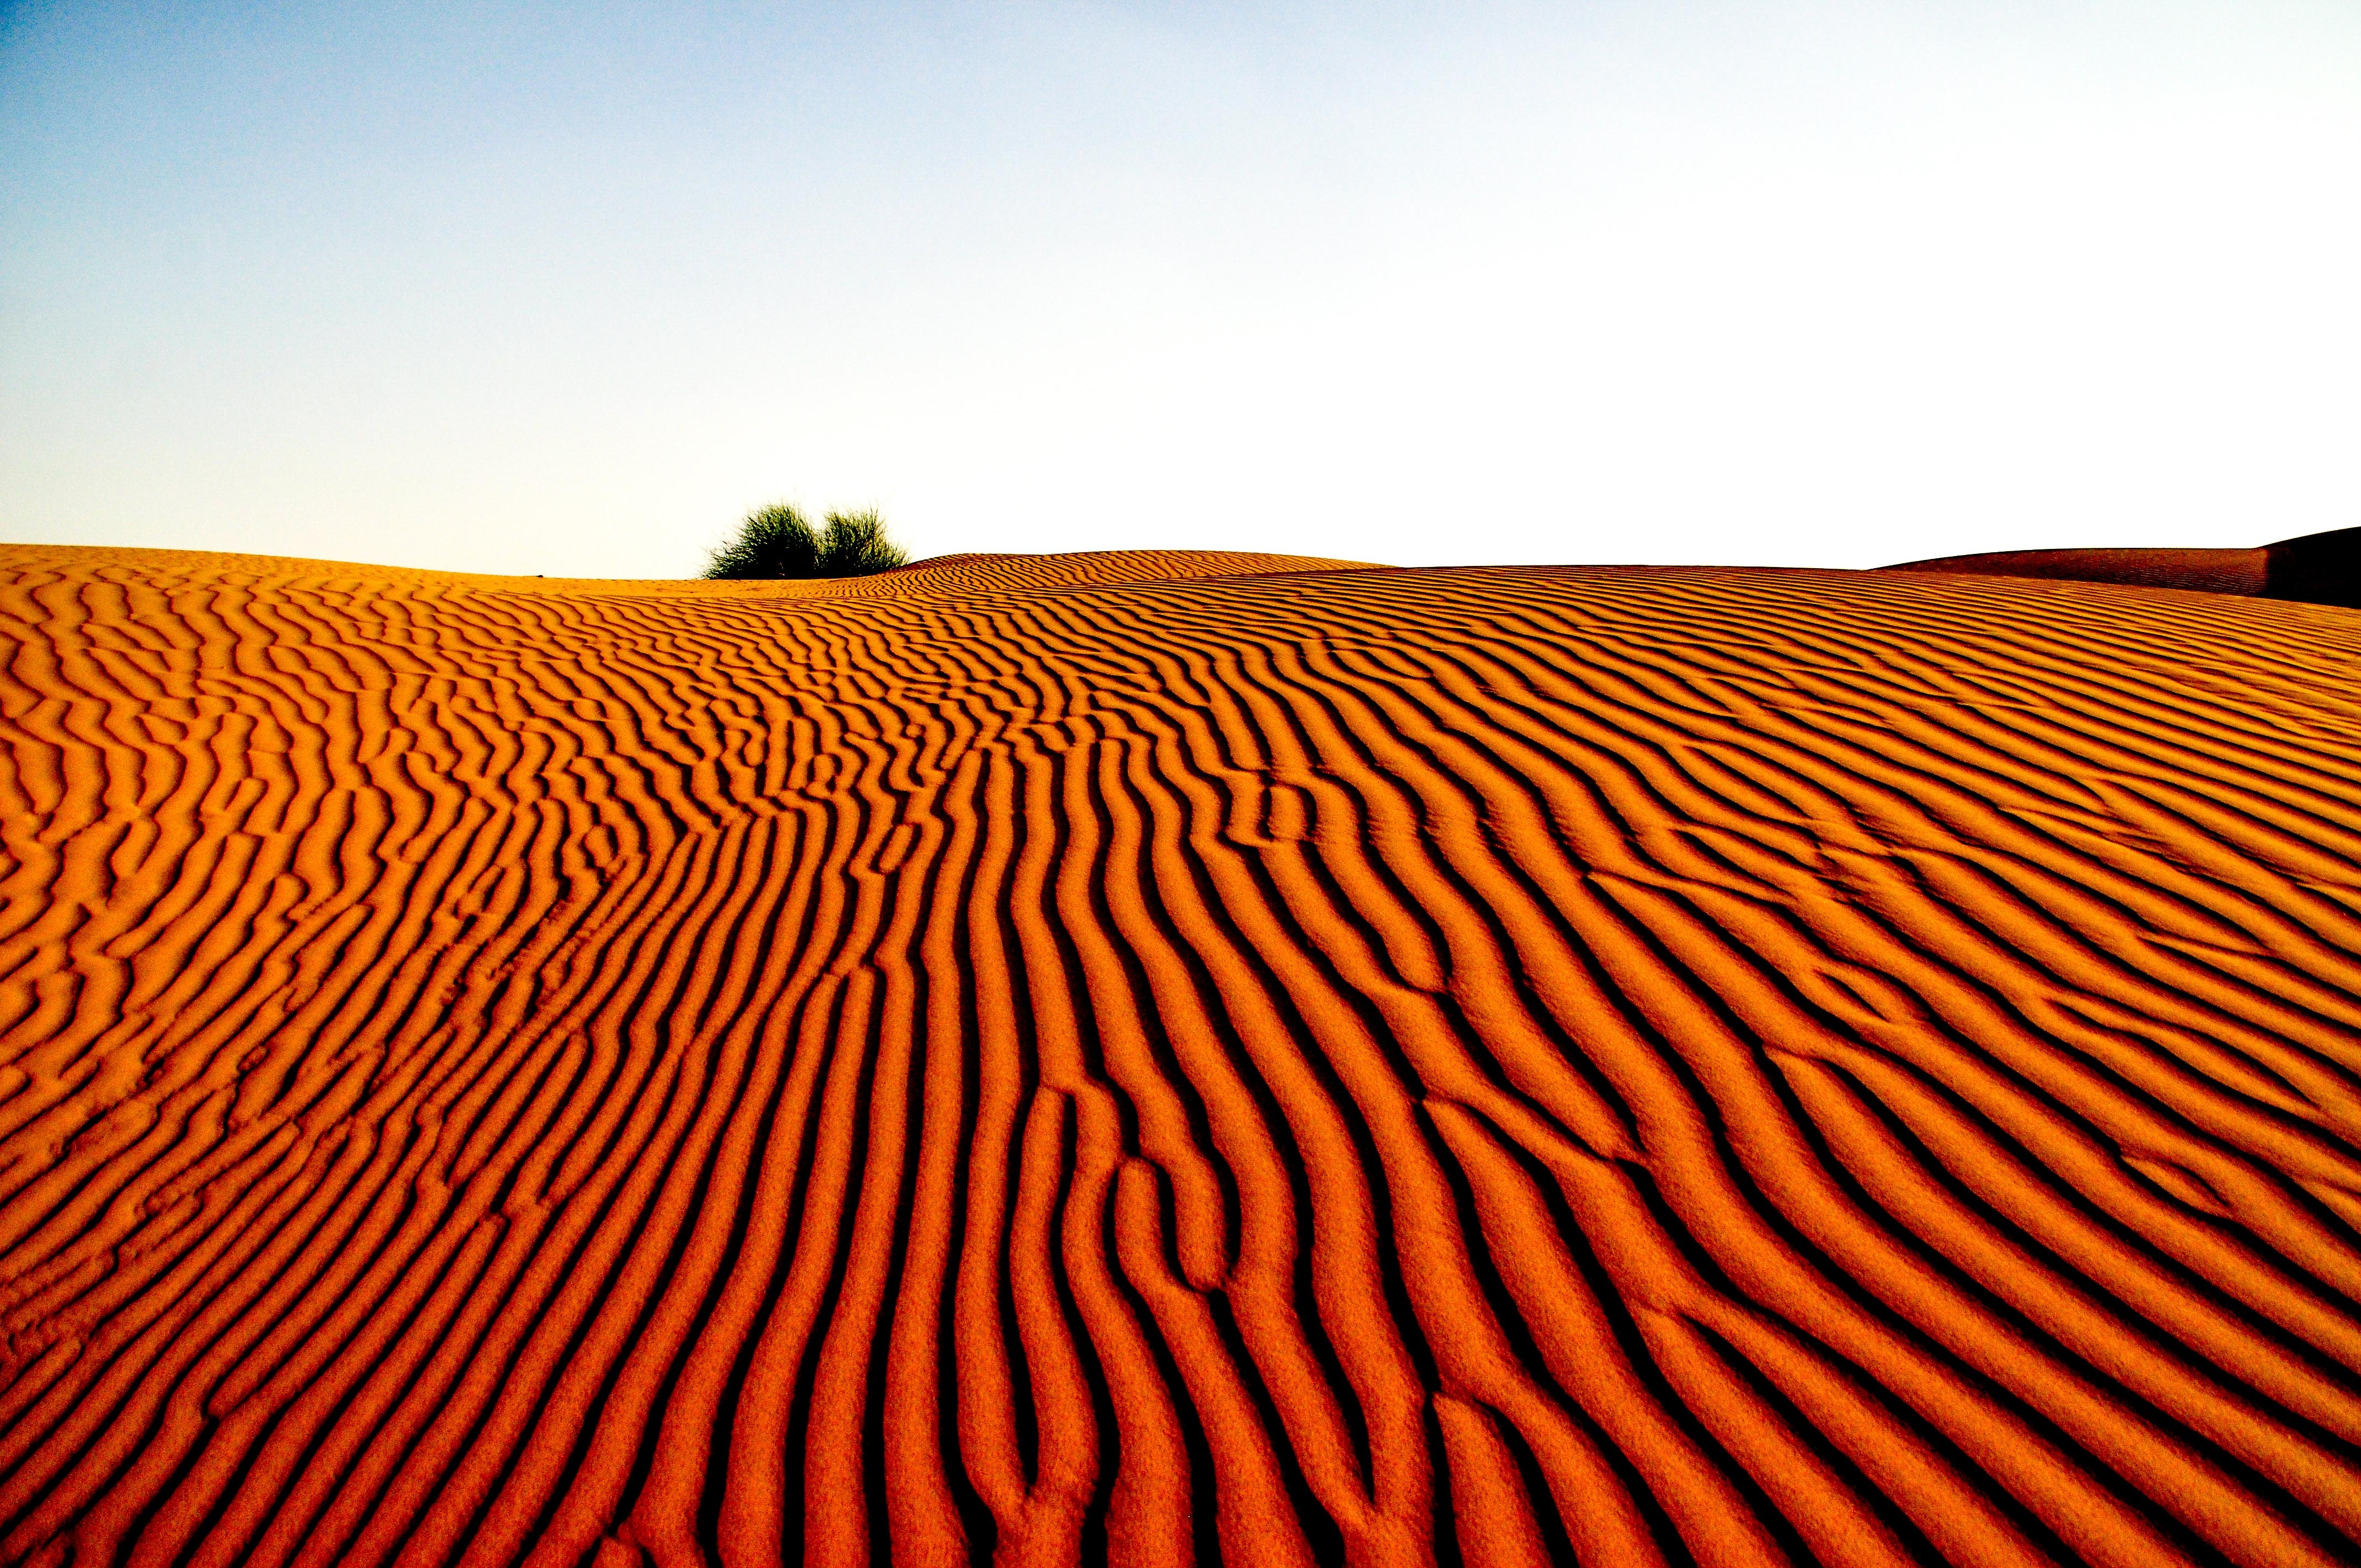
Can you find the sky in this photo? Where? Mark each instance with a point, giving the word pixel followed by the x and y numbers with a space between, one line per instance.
pixel 568 288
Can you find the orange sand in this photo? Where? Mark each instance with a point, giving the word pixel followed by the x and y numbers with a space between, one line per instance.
pixel 1175 1057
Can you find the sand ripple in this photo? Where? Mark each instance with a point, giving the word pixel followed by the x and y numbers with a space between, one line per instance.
pixel 1170 1058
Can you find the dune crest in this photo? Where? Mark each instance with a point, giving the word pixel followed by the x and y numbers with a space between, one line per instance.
pixel 1168 1058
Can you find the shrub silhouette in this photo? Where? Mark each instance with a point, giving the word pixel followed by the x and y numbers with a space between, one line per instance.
pixel 778 540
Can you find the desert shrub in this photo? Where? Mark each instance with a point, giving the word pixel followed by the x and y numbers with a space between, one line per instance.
pixel 856 545
pixel 778 540
pixel 774 541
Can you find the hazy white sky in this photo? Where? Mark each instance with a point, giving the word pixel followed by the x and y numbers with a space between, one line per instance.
pixel 567 289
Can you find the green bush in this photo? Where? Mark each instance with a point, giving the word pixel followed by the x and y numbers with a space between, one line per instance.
pixel 779 541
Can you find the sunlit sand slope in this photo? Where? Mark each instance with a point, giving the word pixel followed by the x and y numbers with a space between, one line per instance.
pixel 1175 1058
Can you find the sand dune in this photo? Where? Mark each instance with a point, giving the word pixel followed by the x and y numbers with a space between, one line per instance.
pixel 2317 568
pixel 1170 1058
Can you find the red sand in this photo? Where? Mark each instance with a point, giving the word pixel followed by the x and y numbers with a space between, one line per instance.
pixel 1173 1057
pixel 2201 571
pixel 2314 568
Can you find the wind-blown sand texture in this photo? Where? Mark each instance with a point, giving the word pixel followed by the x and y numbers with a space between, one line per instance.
pixel 1174 1058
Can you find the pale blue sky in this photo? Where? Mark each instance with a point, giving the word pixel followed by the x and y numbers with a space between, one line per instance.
pixel 567 289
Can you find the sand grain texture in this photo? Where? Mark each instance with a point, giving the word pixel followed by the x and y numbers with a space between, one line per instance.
pixel 1168 1058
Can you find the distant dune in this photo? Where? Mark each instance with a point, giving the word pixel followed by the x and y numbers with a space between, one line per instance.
pixel 1168 1058
pixel 2318 568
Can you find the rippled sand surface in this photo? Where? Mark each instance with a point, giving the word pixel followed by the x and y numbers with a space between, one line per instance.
pixel 1170 1058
